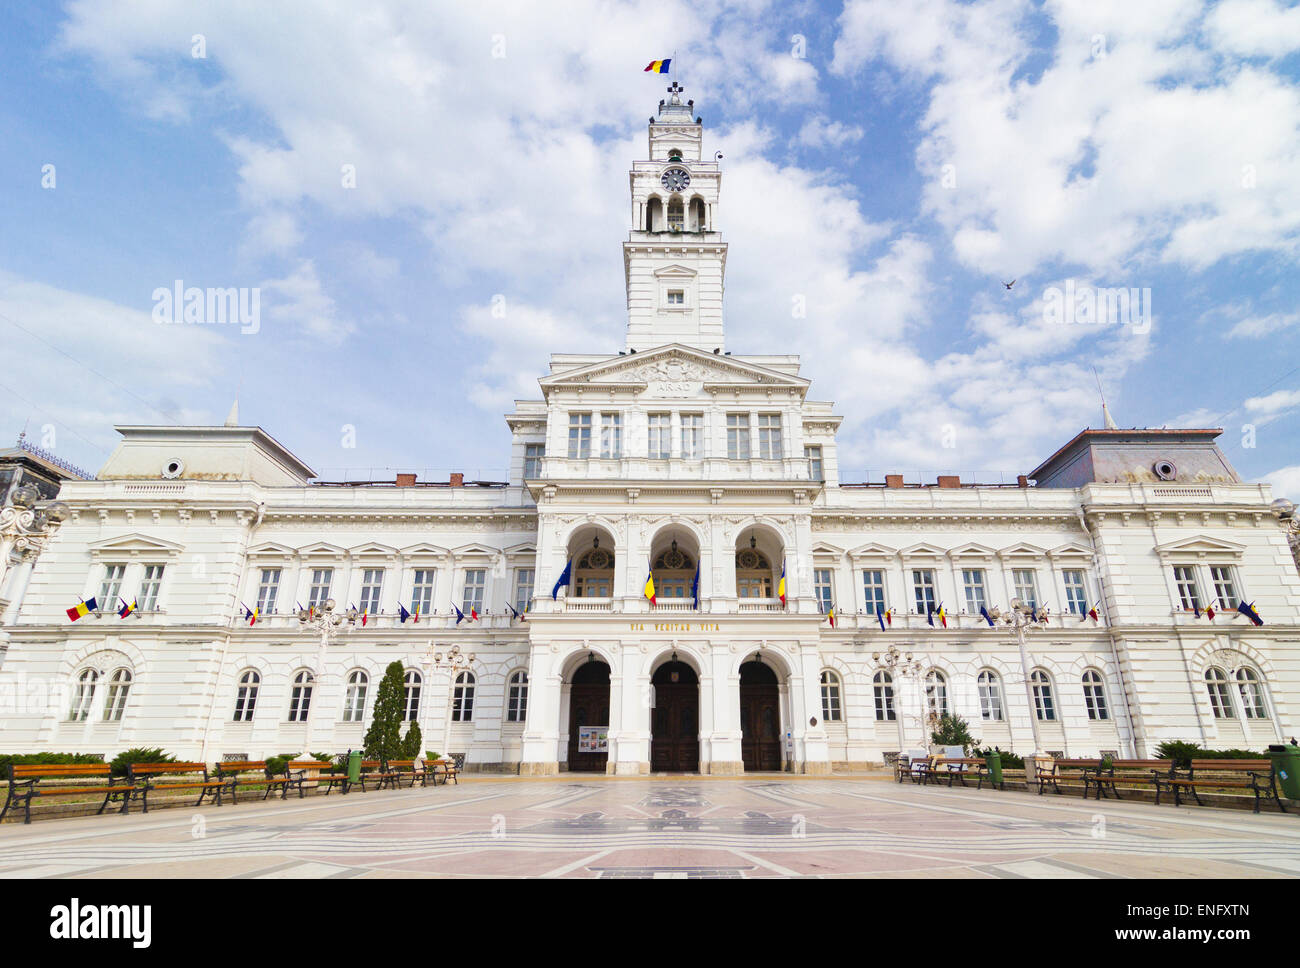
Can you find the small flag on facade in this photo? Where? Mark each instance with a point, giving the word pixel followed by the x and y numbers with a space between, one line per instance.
pixel 1092 613
pixel 659 66
pixel 514 613
pixel 1209 612
pixel 943 616
pixel 650 586
pixel 889 617
pixel 566 577
pixel 695 586
pixel 830 614
pixel 126 609
pixel 402 613
pixel 984 614
pixel 929 617
pixel 880 617
pixel 82 609
pixel 416 614
pixel 780 587
pixel 473 614
pixel 1242 607
pixel 460 616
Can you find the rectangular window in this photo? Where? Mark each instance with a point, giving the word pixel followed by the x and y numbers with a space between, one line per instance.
pixel 923 588
pixel 1026 587
pixel 677 297
pixel 814 457
pixel 973 581
pixel 692 436
pixel 822 589
pixel 873 590
pixel 150 587
pixel 580 436
pixel 268 589
pixel 321 579
pixel 611 435
pixel 533 454
pixel 372 586
pixel 661 436
pixel 475 583
pixel 738 436
pixel 1225 589
pixel 422 591
pixel 523 589
pixel 1189 592
pixel 769 436
pixel 1076 596
pixel 111 587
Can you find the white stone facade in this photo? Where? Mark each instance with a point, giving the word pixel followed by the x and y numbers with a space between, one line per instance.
pixel 717 464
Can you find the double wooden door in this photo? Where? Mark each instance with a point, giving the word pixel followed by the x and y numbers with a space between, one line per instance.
pixel 588 706
pixel 675 720
pixel 760 718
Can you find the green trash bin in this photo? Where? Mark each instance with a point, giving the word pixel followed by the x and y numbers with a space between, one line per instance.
pixel 994 763
pixel 354 767
pixel 1286 764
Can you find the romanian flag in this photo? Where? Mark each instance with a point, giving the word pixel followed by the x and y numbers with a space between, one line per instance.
pixel 1092 613
pixel 889 616
pixel 1242 607
pixel 82 608
pixel 126 609
pixel 1209 612
pixel 780 588
pixel 943 616
pixel 659 66
pixel 402 613
pixel 417 615
pixel 830 615
pixel 473 614
pixel 249 613
pixel 650 577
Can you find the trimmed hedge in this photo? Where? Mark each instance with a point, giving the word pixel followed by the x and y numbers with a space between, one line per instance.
pixel 1183 753
pixel 139 754
pixel 46 759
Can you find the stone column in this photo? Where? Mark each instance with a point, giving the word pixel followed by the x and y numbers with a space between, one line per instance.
pixel 720 686
pixel 539 752
pixel 629 713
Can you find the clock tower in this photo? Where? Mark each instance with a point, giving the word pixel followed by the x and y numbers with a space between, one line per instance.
pixel 674 258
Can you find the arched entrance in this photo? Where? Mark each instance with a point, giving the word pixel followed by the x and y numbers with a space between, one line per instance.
pixel 760 718
pixel 589 718
pixel 675 719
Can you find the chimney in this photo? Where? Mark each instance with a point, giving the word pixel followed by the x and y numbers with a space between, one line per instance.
pixel 949 480
pixel 1022 481
pixel 893 480
pixel 405 480
pixel 457 480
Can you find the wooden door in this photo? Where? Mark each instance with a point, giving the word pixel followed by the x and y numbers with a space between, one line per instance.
pixel 588 706
pixel 760 718
pixel 675 720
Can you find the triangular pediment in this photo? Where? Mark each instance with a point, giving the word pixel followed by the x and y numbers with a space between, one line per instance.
pixel 675 272
pixel 272 549
pixel 923 550
pixel 135 545
pixel 423 548
pixel 373 549
pixel 674 363
pixel 873 549
pixel 1201 545
pixel 972 549
pixel 321 549
pixel 824 548
pixel 1022 549
pixel 1071 549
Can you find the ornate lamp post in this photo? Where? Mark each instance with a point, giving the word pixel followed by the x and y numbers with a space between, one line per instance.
pixel 26 526
pixel 1020 618
pixel 328 624
pixel 902 664
pixel 455 662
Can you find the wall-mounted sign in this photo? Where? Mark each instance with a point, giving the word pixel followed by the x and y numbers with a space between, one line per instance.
pixel 593 739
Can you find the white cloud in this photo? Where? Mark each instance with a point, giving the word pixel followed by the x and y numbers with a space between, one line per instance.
pixel 1254 27
pixel 821 132
pixel 1254 327
pixel 299 305
pixel 1285 481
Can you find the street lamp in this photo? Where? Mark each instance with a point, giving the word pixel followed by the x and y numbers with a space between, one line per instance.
pixel 328 623
pixel 456 660
pixel 904 665
pixel 1020 618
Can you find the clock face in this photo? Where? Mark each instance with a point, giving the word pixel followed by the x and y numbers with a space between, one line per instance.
pixel 676 179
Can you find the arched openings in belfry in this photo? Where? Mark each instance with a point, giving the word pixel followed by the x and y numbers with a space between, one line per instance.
pixel 592 551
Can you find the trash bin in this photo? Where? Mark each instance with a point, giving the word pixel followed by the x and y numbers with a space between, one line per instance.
pixel 354 766
pixel 1286 764
pixel 994 763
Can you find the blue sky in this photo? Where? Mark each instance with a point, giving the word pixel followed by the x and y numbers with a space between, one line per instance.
pixel 889 163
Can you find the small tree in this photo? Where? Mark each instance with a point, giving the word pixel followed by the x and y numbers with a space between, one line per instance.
pixel 953 731
pixel 411 745
pixel 384 737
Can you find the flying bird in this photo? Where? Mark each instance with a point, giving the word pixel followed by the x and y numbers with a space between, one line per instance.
pixel 1009 284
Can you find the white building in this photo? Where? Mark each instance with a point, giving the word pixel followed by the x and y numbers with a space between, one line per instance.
pixel 676 453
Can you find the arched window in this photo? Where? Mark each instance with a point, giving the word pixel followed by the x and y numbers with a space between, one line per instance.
pixel 990 690
pixel 462 699
pixel 1216 683
pixel 1094 695
pixel 654 215
pixel 674 572
pixel 936 693
pixel 676 216
pixel 831 697
pixel 753 574
pixel 594 574
pixel 675 154
pixel 115 702
pixel 246 696
pixel 354 700
pixel 517 707
pixel 412 706
pixel 84 696
pixel 300 698
pixel 1044 704
pixel 1252 694
pixel 883 686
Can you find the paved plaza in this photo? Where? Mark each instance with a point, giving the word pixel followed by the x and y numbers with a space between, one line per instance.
pixel 664 827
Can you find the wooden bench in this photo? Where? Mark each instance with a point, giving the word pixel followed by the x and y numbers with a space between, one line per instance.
pixel 1254 775
pixel 145 778
pixel 415 769
pixel 1128 773
pixel 378 771
pixel 959 768
pixel 1072 771
pixel 326 776
pixel 233 773
pixel 25 784
pixel 445 769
